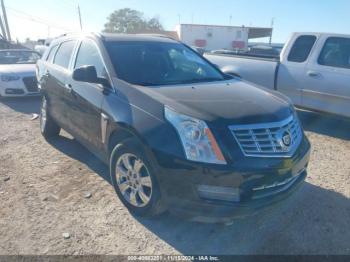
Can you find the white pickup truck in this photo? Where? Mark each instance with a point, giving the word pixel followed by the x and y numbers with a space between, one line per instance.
pixel 313 71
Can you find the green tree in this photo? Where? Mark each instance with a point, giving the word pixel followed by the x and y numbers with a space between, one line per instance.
pixel 131 21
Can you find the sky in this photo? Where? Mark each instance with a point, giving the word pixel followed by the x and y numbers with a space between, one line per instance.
pixel 42 18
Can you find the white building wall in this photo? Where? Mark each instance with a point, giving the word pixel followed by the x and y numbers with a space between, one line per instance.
pixel 215 37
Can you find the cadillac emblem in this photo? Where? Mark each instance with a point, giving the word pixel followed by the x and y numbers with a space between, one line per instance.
pixel 284 139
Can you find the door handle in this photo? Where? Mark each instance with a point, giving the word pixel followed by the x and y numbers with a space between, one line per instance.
pixel 68 88
pixel 313 74
pixel 47 74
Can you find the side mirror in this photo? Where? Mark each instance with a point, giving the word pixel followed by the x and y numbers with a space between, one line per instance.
pixel 231 73
pixel 88 74
pixel 85 74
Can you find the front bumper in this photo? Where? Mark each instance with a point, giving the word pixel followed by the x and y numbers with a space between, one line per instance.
pixel 17 92
pixel 23 87
pixel 261 182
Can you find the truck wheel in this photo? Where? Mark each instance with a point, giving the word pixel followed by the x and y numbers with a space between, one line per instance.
pixel 134 180
pixel 48 126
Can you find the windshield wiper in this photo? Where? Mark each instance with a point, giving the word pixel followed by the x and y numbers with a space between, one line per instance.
pixel 146 84
pixel 201 80
pixel 179 82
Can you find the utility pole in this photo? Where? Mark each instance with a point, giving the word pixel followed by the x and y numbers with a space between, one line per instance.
pixel 79 13
pixel 5 20
pixel 4 35
pixel 272 24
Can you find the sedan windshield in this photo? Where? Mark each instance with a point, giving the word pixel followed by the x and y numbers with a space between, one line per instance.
pixel 159 63
pixel 9 57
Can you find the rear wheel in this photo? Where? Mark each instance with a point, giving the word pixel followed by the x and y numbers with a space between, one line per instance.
pixel 134 180
pixel 48 126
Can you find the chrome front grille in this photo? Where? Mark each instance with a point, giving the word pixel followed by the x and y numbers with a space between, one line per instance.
pixel 277 139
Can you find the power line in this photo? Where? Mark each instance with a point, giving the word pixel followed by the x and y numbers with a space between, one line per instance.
pixel 41 22
pixel 49 24
pixel 75 5
pixel 30 17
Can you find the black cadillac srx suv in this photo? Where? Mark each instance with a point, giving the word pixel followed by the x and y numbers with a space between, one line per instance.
pixel 176 132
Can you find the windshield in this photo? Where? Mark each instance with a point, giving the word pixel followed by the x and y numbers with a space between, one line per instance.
pixel 158 63
pixel 18 57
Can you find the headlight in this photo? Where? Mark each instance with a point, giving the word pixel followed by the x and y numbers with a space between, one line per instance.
pixel 197 139
pixel 8 78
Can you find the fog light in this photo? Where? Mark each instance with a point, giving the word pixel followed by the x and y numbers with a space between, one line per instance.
pixel 13 91
pixel 218 193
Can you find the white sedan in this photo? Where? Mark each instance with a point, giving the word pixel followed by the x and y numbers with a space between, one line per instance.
pixel 17 73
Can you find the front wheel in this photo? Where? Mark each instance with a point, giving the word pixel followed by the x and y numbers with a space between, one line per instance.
pixel 134 180
pixel 48 126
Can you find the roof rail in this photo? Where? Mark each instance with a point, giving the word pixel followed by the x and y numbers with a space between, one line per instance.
pixel 76 34
pixel 68 34
pixel 158 35
pixel 98 34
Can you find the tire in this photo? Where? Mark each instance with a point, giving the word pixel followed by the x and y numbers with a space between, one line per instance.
pixel 144 187
pixel 48 126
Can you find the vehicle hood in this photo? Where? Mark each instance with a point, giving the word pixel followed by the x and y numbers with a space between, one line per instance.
pixel 224 103
pixel 19 69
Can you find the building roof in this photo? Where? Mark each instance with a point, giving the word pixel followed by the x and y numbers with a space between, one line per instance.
pixel 258 32
pixel 254 32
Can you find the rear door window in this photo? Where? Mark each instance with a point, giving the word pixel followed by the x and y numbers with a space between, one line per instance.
pixel 64 54
pixel 301 49
pixel 52 53
pixel 336 53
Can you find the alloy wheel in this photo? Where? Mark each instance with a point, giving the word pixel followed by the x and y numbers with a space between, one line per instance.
pixel 133 180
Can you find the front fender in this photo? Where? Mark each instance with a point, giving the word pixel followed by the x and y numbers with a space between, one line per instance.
pixel 155 133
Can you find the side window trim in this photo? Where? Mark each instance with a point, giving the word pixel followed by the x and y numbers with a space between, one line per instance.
pixel 75 55
pixel 53 50
pixel 46 54
pixel 58 48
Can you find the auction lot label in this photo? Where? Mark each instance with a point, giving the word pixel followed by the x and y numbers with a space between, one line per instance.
pixel 228 258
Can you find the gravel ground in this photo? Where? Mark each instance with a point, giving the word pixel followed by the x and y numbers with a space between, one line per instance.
pixel 44 207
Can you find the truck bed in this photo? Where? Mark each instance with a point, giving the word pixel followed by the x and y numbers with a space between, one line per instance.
pixel 247 56
pixel 255 69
